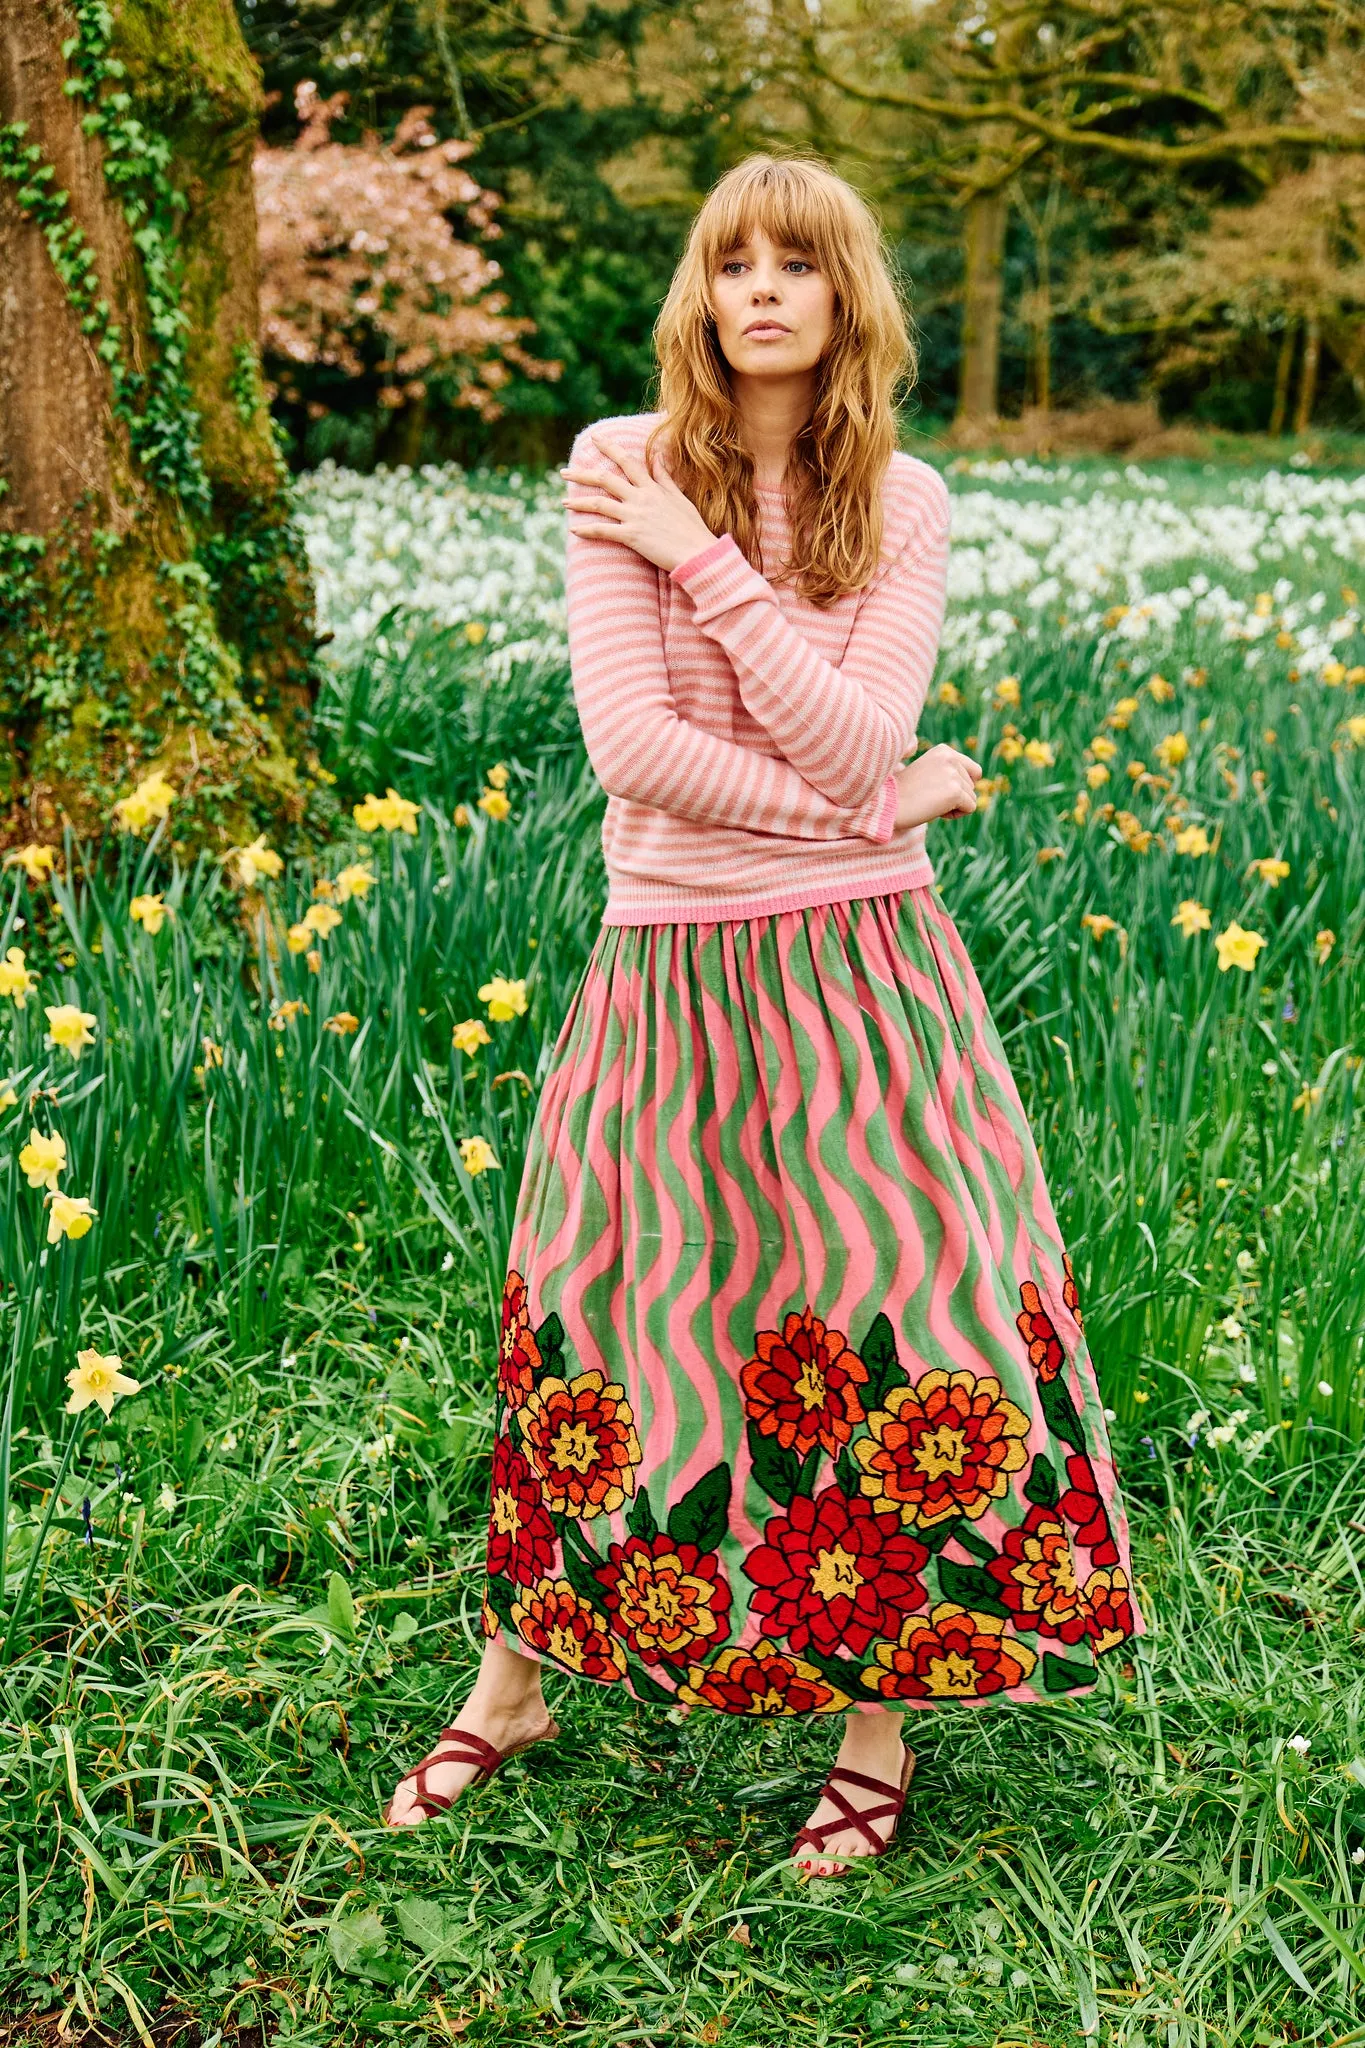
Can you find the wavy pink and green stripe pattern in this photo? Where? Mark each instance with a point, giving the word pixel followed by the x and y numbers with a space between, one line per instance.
pixel 795 1408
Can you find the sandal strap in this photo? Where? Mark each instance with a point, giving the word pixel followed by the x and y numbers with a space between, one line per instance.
pixel 891 1786
pixel 470 1748
pixel 851 1816
pixel 452 1746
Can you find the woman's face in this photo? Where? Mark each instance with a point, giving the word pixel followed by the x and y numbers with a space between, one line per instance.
pixel 774 308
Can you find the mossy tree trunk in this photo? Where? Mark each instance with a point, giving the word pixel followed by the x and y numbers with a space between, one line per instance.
pixel 154 602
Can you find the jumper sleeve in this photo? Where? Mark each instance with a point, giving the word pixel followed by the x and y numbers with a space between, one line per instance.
pixel 642 748
pixel 844 728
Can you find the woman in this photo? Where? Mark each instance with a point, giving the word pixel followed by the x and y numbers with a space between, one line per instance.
pixel 795 1414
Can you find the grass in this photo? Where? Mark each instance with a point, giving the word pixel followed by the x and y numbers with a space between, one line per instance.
pixel 246 1601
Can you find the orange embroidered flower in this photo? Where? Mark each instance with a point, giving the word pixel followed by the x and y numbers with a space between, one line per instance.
pixel 760 1681
pixel 1111 1608
pixel 580 1438
pixel 1069 1294
pixel 667 1599
pixel 801 1385
pixel 519 1357
pixel 1038 1331
pixel 949 1655
pixel 945 1446
pixel 552 1619
pixel 1036 1573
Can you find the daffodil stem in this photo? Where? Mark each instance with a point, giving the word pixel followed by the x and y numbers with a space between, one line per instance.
pixel 21 1598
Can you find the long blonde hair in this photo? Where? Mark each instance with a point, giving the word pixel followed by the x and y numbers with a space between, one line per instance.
pixel 839 459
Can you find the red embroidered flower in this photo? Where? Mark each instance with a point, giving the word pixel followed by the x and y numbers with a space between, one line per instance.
pixel 552 1619
pixel 1038 1331
pixel 521 1537
pixel 801 1385
pixel 580 1438
pixel 519 1357
pixel 833 1570
pixel 1111 1608
pixel 949 1655
pixel 760 1681
pixel 1069 1294
pixel 943 1447
pixel 1036 1574
pixel 1082 1505
pixel 667 1599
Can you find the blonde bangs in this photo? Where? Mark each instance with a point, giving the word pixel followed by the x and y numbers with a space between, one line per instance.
pixel 839 460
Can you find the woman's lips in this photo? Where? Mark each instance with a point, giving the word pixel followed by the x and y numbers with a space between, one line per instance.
pixel 766 330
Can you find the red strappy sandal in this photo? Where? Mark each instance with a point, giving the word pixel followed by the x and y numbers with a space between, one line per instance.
pixel 849 1815
pixel 459 1746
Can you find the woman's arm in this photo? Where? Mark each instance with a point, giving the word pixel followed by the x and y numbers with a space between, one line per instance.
pixel 844 728
pixel 639 745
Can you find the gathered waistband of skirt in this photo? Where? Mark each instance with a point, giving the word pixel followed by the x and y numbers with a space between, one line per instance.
pixel 738 911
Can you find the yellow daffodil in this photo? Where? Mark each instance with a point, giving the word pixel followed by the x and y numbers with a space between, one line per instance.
pixel 43 1159
pixel 1172 750
pixel 354 881
pixel 1284 639
pixel 8 1098
pixel 1047 853
pixel 1192 917
pixel 1355 728
pixel 1006 692
pixel 1265 604
pixel 1306 1097
pixel 1010 747
pixel 17 981
pixel 36 861
pixel 1323 943
pixel 213 1054
pixel 249 863
pixel 1122 713
pixel 461 813
pixel 1355 676
pixel 1103 748
pixel 1081 808
pixel 494 803
pixel 497 775
pixel 1132 831
pixel 949 694
pixel 324 889
pixel 152 799
pixel 343 1025
pixel 1192 839
pixel 1039 752
pixel 1238 948
pixel 1097 923
pixel 298 938
pixel 98 1382
pixel 150 912
pixel 470 1035
pixel 1159 688
pixel 287 1012
pixel 475 631
pixel 70 1028
pixel 313 961
pixel 1096 774
pixel 1269 736
pixel 321 918
pixel 1114 614
pixel 1136 770
pixel 68 1216
pixel 387 813
pixel 477 1155
pixel 505 999
pixel 1270 870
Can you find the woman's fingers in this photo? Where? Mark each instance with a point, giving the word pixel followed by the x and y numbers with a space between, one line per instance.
pixel 595 529
pixel 581 501
pixel 594 481
pixel 629 464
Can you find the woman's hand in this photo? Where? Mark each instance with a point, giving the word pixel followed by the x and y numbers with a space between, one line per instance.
pixel 645 512
pixel 940 784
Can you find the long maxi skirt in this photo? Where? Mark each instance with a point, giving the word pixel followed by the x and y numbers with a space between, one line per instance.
pixel 795 1411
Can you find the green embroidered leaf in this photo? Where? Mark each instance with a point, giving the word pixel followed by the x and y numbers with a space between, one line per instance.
pixel 640 1521
pixel 937 1534
pixel 806 1481
pixel 550 1338
pixel 1059 1675
pixel 845 1672
pixel 848 1475
pixel 646 1687
pixel 1040 1488
pixel 500 1598
pixel 973 1543
pixel 777 1471
pixel 702 1516
pixel 580 1564
pixel 879 1355
pixel 972 1587
pixel 1054 1397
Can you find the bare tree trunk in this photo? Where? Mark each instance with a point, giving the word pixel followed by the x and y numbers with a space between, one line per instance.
pixel 1283 365
pixel 1308 374
pixel 167 620
pixel 983 295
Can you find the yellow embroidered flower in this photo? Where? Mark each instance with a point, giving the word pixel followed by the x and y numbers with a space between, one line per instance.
pixel 1323 943
pixel 150 912
pixel 1238 948
pixel 354 881
pixel 1172 750
pixel 505 999
pixel 478 1155
pixel 251 862
pixel 98 1381
pixel 68 1216
pixel 387 813
pixel 494 803
pixel 16 981
pixel 1192 917
pixel 69 1027
pixel 36 861
pixel 1192 839
pixel 43 1159
pixel 470 1034
pixel 1270 870
pixel 321 918
pixel 1039 752
pixel 152 799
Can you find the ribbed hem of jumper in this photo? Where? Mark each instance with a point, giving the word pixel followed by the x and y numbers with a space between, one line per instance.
pixel 886 816
pixel 665 905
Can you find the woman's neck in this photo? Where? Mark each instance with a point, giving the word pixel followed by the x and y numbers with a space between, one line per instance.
pixel 772 412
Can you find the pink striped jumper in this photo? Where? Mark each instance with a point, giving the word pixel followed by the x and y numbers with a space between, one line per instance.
pixel 746 738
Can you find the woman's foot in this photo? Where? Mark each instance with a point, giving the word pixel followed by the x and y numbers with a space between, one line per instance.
pixel 871 1746
pixel 506 1709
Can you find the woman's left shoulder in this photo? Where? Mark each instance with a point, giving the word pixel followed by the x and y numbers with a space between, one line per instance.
pixel 916 502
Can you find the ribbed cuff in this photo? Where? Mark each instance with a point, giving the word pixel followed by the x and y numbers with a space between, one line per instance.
pixel 712 552
pixel 886 817
pixel 719 578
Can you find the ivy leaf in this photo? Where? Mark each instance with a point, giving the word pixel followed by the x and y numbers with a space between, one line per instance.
pixel 777 1471
pixel 972 1587
pixel 1060 1675
pixel 879 1355
pixel 1040 1488
pixel 702 1516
